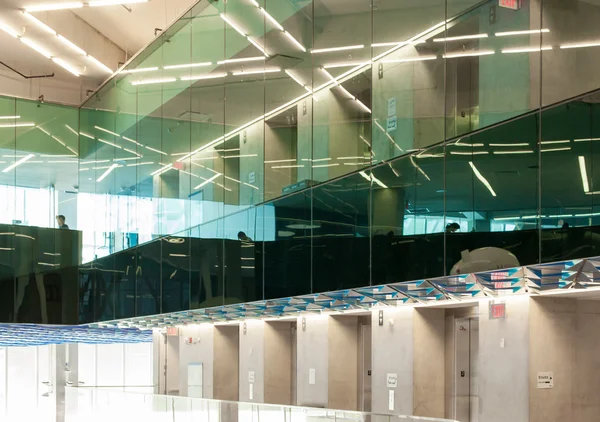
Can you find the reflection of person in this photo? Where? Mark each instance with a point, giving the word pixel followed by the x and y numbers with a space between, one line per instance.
pixel 452 227
pixel 242 237
pixel 60 220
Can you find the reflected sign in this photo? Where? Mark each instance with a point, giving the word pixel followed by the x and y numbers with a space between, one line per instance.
pixel 510 4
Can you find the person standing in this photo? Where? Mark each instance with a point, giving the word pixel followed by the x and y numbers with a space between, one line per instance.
pixel 60 220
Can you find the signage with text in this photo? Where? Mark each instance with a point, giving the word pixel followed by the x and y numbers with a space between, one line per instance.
pixel 497 310
pixel 510 4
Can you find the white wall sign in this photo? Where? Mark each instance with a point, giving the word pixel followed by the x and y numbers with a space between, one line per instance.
pixel 251 392
pixel 392 124
pixel 252 177
pixel 312 376
pixel 391 106
pixel 391 400
pixel 251 376
pixel 545 380
pixel 392 380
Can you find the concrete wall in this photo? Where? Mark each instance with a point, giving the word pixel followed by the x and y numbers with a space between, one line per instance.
pixel 313 355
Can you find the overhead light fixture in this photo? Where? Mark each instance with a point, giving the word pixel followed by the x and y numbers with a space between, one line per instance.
pixel 140 164
pixel 207 181
pixel 271 18
pixel 526 32
pixel 341 64
pixel 481 178
pixel 7 125
pixel 107 131
pixel 132 152
pixel 99 3
pixel 9 117
pixel 110 143
pixel 66 66
pixel 298 81
pixel 253 72
pixel 57 139
pixel 586 139
pixel 518 144
pixel 153 81
pixel 462 37
pixel 202 77
pixel 87 135
pixel 294 41
pixel 397 43
pixel 411 59
pixel 140 70
pixel 287 160
pixel 472 54
pixel 107 172
pixel 99 64
pixel 333 49
pixel 35 47
pixel 258 46
pixel 469 152
pixel 583 172
pixel 326 165
pixel 53 6
pixel 155 150
pixel 162 170
pixel 525 50
pixel 72 130
pixel 239 156
pixel 564 141
pixel 290 166
pixel 233 25
pixel 9 31
pixel 71 45
pixel 18 163
pixel 556 149
pixel 131 140
pixel 39 23
pixel 242 60
pixel 581 45
pixel 187 65
pixel 528 151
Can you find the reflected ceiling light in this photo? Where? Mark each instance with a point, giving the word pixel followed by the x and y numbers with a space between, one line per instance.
pixel 291 166
pixel 362 138
pixel 162 169
pixel 353 158
pixel 361 105
pixel 233 180
pixel 107 131
pixel 207 181
pixel 519 144
pixel 83 134
pixel 109 143
pixel 582 45
pixel 412 59
pixel 481 178
pixel 153 81
pixel 240 156
pixel 39 23
pixel 556 149
pixel 525 49
pixel 187 65
pixel 372 178
pixel 107 172
pixel 270 18
pixel 294 41
pixel 131 140
pixel 201 77
pixel 95 162
pixel 18 162
pixel 126 158
pixel 527 32
pixel 258 46
pixel 527 151
pixel 9 117
pixel 140 70
pixel 72 130
pixel 253 72
pixel 287 160
pixel 397 43
pixel 565 141
pixel 9 31
pixel 66 66
pixel 255 3
pixel 17 125
pixel 325 165
pixel 35 47
pixel 462 37
pixel 71 149
pixel 99 64
pixel 472 54
pixel 55 6
pixel 586 139
pixel 332 49
pixel 140 164
pixel 132 152
pixel 298 81
pixel 341 64
pixel 415 165
pixel 62 162
pixel 59 141
pixel 464 144
pixel 99 3
pixel 233 25
pixel 155 150
pixel 251 186
pixel 469 153
pixel 71 45
pixel 583 172
pixel 321 159
pixel 390 138
pixel 242 60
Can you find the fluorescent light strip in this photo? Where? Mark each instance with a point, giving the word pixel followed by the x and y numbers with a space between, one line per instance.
pixel 526 32
pixel 253 72
pixel 566 141
pixel 72 130
pixel 56 6
pixel 207 181
pixel 153 81
pixel 271 18
pixel 332 49
pixel 288 166
pixel 155 150
pixel 131 140
pixel 239 156
pixel 35 47
pixel 162 170
pixel 94 162
pixel 468 153
pixel 287 160
pixel 556 149
pixel 242 60
pixel 187 65
pixel 140 70
pixel 586 139
pixel 202 77
pixel 525 49
pixel 107 172
pixel 17 163
pixel 462 144
pixel 512 152
pixel 9 31
pixel 387 134
pixel 409 60
pixel 519 144
pixel 71 45
pixel 126 159
pixel 397 43
pixel 258 46
pixel 341 64
pixel 462 37
pixel 99 64
pixel 72 150
pixel 473 54
pixel 140 164
pixel 482 179
pixel 59 141
pixel 107 131
pixel 233 25
pixel 9 117
pixel 109 143
pixel 582 45
pixel 81 133
pixel 294 41
pixel 18 125
pixel 132 152
pixel 39 23
pixel 415 165
pixel 362 138
pixel 379 182
pixel 298 81
pixel 66 66
pixel 583 172
pixel 100 3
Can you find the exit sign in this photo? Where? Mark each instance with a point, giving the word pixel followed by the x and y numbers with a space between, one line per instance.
pixel 497 310
pixel 510 4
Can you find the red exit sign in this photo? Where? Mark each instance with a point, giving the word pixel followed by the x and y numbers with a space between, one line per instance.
pixel 497 310
pixel 510 4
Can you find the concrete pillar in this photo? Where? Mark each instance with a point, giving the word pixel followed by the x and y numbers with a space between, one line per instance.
pixel 388 210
